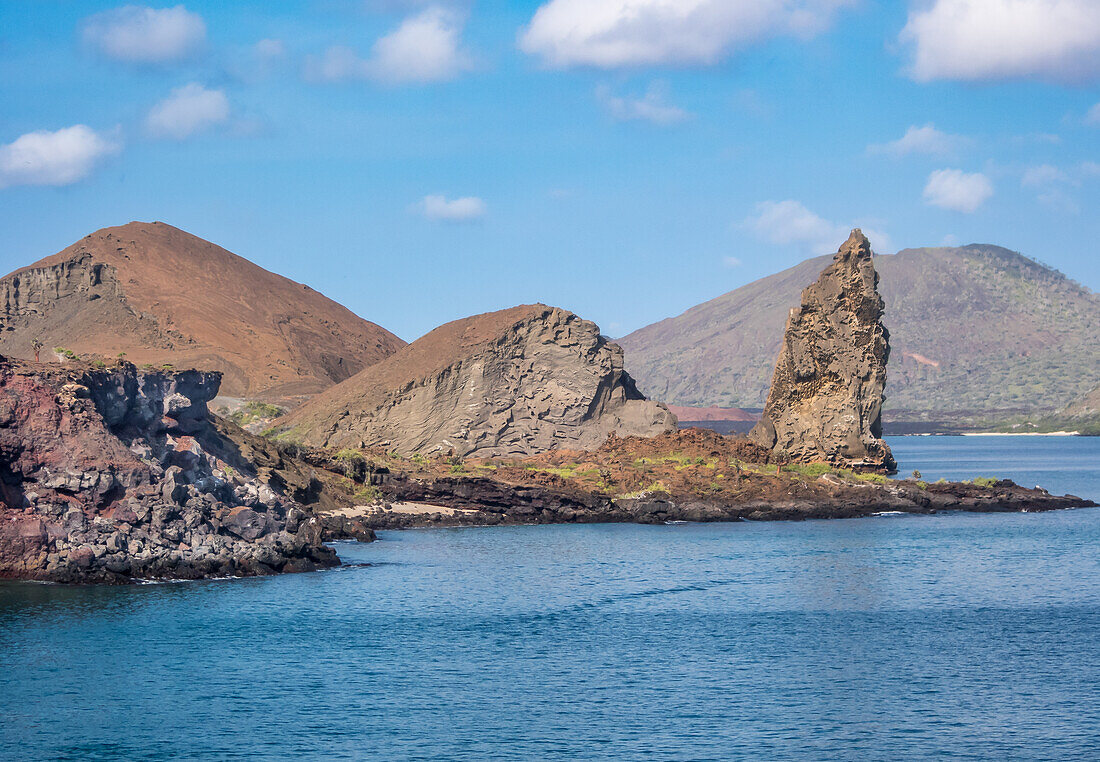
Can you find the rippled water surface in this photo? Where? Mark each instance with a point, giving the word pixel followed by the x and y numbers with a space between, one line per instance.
pixel 961 636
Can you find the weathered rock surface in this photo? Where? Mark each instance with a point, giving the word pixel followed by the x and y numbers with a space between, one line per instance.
pixel 164 296
pixel 514 382
pixel 825 402
pixel 111 475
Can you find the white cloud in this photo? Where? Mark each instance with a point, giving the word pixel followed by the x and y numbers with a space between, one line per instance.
pixel 439 207
pixel 424 48
pixel 1043 174
pixel 53 158
pixel 614 33
pixel 188 110
pixel 1090 169
pixel 921 140
pixel 270 49
pixel 957 190
pixel 651 107
pixel 731 262
pixel 139 34
pixel 790 222
pixel 1093 116
pixel 1003 39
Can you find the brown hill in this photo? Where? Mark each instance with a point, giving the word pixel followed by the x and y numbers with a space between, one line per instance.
pixel 165 296
pixel 977 329
pixel 519 381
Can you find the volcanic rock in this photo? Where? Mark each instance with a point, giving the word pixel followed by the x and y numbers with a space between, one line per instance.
pixel 111 475
pixel 979 334
pixel 515 382
pixel 825 402
pixel 163 296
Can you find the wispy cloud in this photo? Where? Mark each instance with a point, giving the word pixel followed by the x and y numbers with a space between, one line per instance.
pixel 188 110
pixel 957 191
pixel 61 157
pixel 653 106
pixel 465 209
pixel 143 35
pixel 791 223
pixel 921 140
pixel 425 48
pixel 616 33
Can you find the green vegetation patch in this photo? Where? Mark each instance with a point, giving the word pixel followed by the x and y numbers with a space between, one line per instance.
pixel 255 411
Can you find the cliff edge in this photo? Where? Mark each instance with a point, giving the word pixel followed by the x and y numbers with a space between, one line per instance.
pixel 114 474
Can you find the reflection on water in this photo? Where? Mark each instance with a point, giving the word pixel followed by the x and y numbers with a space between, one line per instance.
pixel 891 637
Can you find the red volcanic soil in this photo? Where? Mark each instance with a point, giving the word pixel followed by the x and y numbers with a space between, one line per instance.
pixel 162 295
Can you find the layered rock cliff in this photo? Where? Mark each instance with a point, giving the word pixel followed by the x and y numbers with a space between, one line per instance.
pixel 161 295
pixel 514 382
pixel 110 475
pixel 825 401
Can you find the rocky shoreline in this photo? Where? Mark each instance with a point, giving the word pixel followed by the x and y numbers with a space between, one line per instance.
pixel 691 475
pixel 483 502
pixel 117 475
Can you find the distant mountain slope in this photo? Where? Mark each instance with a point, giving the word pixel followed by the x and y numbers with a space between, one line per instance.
pixel 978 328
pixel 1089 405
pixel 165 296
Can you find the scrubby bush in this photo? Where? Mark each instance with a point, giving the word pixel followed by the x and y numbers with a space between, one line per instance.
pixel 352 463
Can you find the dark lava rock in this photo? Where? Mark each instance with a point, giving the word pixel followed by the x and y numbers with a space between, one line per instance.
pixel 111 475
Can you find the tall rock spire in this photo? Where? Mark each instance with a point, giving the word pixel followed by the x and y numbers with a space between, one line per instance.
pixel 825 402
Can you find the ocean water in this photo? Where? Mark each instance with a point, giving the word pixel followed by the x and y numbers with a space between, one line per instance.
pixel 957 636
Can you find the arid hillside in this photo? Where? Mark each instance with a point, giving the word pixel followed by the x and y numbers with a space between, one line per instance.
pixel 978 329
pixel 519 381
pixel 163 296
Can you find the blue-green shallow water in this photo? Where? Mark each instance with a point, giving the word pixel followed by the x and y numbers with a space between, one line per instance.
pixel 961 636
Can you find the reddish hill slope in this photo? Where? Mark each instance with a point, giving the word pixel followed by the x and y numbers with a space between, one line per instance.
pixel 519 381
pixel 162 295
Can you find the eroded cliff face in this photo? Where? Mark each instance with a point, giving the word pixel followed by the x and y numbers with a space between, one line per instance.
pixel 537 378
pixel 825 401
pixel 109 475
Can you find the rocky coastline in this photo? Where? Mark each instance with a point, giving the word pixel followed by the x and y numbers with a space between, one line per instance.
pixel 690 475
pixel 118 475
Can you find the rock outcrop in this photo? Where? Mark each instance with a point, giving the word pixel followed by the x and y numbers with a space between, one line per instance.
pixel 113 474
pixel 161 295
pixel 515 382
pixel 825 402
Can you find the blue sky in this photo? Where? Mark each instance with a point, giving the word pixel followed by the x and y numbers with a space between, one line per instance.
pixel 626 159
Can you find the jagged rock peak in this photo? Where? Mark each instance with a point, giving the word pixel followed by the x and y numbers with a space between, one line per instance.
pixel 825 402
pixel 515 382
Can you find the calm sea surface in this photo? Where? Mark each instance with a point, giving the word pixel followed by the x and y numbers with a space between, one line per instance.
pixel 958 636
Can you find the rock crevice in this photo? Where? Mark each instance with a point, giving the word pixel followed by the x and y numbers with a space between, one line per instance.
pixel 825 401
pixel 111 475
